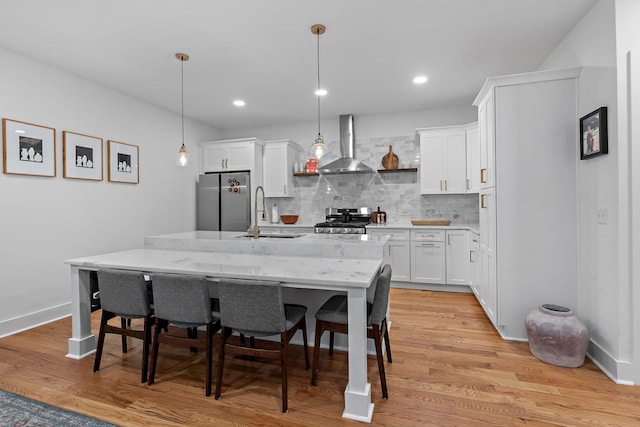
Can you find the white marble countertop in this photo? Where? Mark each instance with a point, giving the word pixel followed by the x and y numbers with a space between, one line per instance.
pixel 306 245
pixel 317 273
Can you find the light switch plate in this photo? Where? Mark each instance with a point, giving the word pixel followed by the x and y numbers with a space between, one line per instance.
pixel 601 216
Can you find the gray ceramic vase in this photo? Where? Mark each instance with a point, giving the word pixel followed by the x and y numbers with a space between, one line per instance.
pixel 557 336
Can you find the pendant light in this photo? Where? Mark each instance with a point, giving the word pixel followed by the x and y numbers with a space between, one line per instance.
pixel 319 148
pixel 183 158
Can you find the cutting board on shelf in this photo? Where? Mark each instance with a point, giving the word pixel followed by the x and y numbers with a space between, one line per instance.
pixel 430 221
pixel 390 160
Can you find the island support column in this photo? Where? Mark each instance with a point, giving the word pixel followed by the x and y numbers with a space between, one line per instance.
pixel 82 342
pixel 357 395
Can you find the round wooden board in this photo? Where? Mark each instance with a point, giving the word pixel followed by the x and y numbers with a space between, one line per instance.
pixel 390 160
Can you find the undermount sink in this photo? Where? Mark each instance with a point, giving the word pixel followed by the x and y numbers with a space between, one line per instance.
pixel 273 235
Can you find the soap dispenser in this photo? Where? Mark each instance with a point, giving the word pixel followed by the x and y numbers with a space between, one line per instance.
pixel 275 217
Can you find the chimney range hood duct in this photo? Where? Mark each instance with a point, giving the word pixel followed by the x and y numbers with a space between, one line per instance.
pixel 346 163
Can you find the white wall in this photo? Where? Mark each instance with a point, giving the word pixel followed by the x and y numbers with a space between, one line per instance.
pixel 44 221
pixel 604 291
pixel 366 127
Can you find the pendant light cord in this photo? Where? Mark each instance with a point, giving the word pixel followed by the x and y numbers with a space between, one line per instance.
pixel 317 95
pixel 182 79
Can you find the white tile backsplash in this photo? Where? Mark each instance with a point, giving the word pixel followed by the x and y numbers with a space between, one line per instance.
pixel 398 194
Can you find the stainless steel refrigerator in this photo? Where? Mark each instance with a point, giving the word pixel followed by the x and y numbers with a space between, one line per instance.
pixel 224 201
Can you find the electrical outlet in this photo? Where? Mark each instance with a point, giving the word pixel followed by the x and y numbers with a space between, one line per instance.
pixel 601 216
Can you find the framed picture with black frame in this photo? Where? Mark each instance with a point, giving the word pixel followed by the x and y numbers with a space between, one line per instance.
pixel 593 134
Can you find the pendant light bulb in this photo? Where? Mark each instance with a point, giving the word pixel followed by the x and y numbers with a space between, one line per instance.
pixel 183 158
pixel 319 148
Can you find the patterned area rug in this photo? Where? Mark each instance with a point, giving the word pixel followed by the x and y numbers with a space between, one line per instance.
pixel 20 411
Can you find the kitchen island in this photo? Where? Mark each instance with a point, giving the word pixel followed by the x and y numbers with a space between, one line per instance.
pixel 308 262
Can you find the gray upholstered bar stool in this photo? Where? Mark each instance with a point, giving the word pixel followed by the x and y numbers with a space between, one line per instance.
pixel 254 308
pixel 183 301
pixel 124 294
pixel 333 317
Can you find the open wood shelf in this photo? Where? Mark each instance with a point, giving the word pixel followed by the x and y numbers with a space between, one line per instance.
pixel 397 170
pixel 305 174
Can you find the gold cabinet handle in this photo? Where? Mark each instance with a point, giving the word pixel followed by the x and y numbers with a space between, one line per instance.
pixel 482 201
pixel 222 164
pixel 428 235
pixel 285 189
pixel 427 244
pixel 471 256
pixel 468 184
pixel 445 185
pixel 483 175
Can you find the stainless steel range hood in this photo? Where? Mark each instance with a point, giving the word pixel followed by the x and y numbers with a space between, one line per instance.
pixel 347 162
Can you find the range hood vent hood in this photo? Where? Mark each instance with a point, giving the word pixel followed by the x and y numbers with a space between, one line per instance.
pixel 347 162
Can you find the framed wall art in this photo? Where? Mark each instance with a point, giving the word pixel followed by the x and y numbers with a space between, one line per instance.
pixel 123 162
pixel 593 134
pixel 81 156
pixel 28 149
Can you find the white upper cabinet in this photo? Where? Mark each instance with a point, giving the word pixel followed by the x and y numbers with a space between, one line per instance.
pixel 278 161
pixel 230 155
pixel 473 158
pixel 486 131
pixel 443 160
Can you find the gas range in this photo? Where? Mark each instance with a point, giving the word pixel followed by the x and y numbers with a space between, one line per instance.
pixel 344 221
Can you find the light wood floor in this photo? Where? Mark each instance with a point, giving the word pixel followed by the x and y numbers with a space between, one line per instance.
pixel 450 368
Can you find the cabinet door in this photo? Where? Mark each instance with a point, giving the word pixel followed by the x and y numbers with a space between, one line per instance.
pixel 455 160
pixel 213 158
pixel 488 218
pixel 473 160
pixel 400 260
pixel 238 157
pixel 486 128
pixel 457 257
pixel 474 264
pixel 443 161
pixel 428 262
pixel 431 163
pixel 278 169
pixel 488 281
pixel 488 285
pixel 226 157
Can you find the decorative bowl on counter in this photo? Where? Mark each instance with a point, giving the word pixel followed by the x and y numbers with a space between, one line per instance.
pixel 289 219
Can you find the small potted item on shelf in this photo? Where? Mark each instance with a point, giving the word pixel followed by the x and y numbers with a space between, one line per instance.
pixel 312 166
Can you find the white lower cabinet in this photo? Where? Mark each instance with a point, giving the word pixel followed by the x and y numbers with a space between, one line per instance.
pixel 474 263
pixel 457 257
pixel 399 252
pixel 428 257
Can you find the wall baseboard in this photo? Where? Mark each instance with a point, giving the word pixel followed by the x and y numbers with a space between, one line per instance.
pixel 608 364
pixel 32 320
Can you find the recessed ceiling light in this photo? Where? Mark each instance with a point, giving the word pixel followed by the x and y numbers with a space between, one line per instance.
pixel 20 131
pixel 420 80
pixel 321 92
pixel 239 103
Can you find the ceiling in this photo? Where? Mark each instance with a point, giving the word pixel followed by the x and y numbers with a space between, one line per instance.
pixel 264 52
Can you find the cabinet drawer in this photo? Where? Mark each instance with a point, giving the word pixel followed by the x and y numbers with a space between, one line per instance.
pixel 430 235
pixel 396 234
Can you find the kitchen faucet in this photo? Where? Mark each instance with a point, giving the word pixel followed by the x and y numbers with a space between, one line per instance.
pixel 253 229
